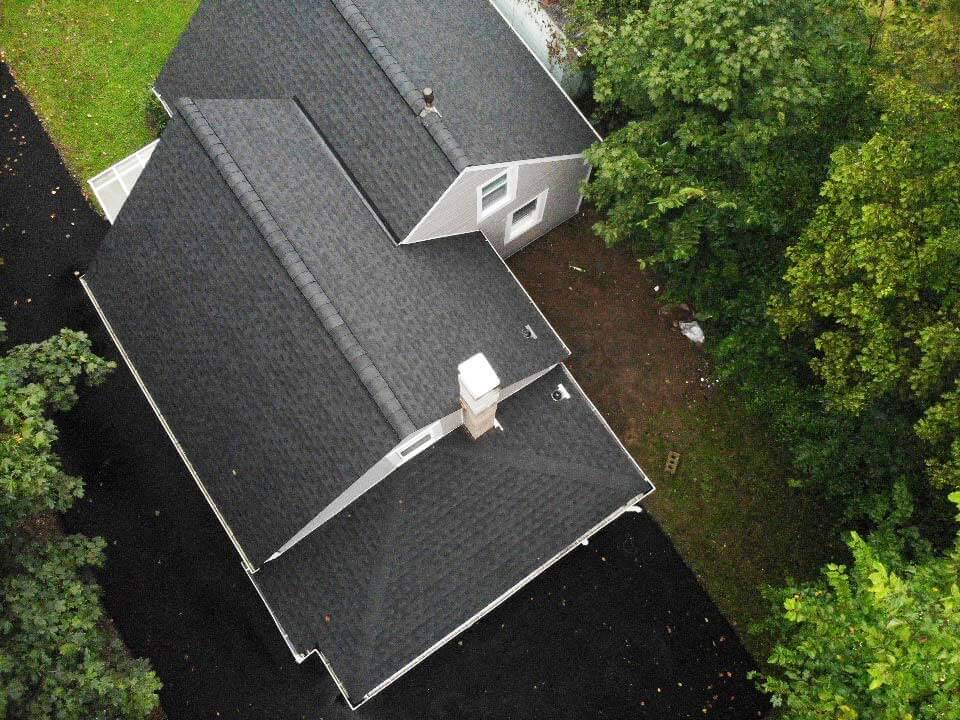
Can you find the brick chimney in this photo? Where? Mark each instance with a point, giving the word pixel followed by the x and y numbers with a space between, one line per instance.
pixel 479 394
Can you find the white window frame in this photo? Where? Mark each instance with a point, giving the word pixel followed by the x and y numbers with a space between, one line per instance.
pixel 510 174
pixel 513 232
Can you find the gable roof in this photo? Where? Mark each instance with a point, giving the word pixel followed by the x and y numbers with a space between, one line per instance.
pixel 358 68
pixel 306 49
pixel 268 409
pixel 416 311
pixel 496 99
pixel 448 534
pixel 245 259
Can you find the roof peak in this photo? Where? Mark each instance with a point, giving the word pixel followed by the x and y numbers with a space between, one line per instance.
pixel 395 73
pixel 299 273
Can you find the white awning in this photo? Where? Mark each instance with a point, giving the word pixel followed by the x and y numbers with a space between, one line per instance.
pixel 113 185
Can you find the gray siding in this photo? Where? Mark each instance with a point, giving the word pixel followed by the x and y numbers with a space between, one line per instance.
pixel 456 211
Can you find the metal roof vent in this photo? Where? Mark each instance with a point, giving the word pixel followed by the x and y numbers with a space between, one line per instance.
pixel 428 106
pixel 479 394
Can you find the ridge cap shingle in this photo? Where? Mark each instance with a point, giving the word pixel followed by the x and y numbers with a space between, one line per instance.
pixel 299 273
pixel 411 94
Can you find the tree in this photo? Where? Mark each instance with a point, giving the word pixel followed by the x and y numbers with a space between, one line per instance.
pixel 723 113
pixel 57 660
pixel 873 281
pixel 879 640
pixel 35 379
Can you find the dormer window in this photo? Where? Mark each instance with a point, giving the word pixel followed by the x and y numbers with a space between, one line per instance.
pixel 496 193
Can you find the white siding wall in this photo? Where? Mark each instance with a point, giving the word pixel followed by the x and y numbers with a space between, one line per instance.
pixel 456 212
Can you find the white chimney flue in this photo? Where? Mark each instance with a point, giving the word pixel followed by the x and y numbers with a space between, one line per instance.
pixel 479 394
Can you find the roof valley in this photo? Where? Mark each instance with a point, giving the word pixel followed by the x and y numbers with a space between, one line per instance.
pixel 411 94
pixel 369 375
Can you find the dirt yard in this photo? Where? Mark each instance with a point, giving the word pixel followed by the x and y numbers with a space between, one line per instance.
pixel 626 350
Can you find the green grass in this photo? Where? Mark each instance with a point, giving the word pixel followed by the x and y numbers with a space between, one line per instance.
pixel 87 67
pixel 730 510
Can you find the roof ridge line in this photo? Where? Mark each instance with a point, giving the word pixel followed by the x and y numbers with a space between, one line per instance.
pixel 291 261
pixel 411 94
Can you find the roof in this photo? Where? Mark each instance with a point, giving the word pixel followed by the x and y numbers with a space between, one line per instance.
pixel 449 533
pixel 287 340
pixel 269 410
pixel 419 310
pixel 306 49
pixel 496 99
pixel 358 68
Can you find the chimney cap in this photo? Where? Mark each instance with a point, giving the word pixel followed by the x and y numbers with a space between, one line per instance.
pixel 477 375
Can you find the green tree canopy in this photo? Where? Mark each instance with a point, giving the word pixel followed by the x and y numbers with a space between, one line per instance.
pixel 724 113
pixel 874 280
pixel 879 640
pixel 57 659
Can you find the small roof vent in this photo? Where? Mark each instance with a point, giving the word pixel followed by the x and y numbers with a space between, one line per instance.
pixel 428 106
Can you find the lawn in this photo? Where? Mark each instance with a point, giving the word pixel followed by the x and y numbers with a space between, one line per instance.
pixel 87 68
pixel 729 509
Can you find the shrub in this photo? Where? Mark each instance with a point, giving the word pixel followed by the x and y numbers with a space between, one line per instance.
pixel 35 379
pixel 57 657
pixel 879 640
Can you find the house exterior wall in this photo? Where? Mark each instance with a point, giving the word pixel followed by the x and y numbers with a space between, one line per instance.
pixel 457 211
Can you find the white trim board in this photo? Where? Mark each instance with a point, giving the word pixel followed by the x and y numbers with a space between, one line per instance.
pixel 163 103
pixel 166 426
pixel 113 186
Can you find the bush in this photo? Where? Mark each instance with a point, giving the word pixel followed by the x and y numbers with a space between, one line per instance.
pixel 36 379
pixel 879 640
pixel 156 114
pixel 57 656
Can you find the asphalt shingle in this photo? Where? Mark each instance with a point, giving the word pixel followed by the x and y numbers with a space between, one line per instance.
pixel 306 49
pixel 448 533
pixel 268 410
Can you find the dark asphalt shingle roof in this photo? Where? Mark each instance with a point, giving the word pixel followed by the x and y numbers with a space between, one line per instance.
pixel 496 99
pixel 358 67
pixel 306 49
pixel 235 358
pixel 241 361
pixel 417 310
pixel 449 532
